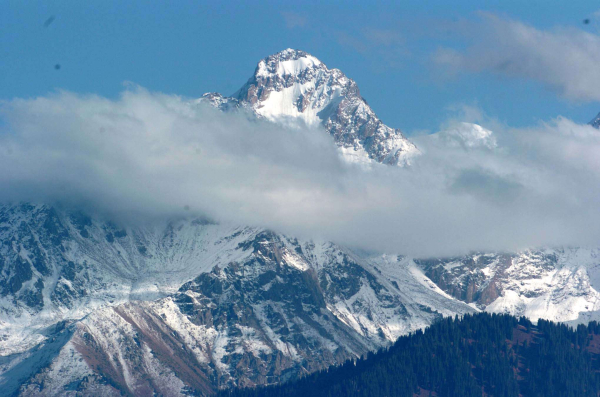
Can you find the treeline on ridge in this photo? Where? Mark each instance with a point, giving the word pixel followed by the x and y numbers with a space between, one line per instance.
pixel 476 355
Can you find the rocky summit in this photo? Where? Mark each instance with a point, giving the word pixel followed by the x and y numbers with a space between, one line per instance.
pixel 293 86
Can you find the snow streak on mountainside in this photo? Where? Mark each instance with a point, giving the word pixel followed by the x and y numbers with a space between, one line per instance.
pixel 293 85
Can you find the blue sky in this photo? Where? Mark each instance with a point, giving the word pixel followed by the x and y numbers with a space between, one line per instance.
pixel 190 48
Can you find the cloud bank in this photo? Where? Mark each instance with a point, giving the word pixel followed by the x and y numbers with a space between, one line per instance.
pixel 564 59
pixel 147 155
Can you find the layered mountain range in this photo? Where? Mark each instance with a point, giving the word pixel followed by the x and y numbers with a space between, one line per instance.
pixel 92 306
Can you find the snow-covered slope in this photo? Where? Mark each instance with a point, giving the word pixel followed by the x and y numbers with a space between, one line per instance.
pixel 555 284
pixel 58 265
pixel 293 86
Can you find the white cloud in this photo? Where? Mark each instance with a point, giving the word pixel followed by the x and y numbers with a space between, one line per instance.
pixel 150 155
pixel 564 59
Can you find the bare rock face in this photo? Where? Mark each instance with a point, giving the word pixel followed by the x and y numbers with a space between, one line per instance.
pixel 293 85
pixel 471 279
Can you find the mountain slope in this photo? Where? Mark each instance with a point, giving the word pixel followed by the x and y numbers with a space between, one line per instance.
pixel 192 306
pixel 188 305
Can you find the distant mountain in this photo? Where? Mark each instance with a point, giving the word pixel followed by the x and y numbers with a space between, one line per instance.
pixel 293 86
pixel 479 355
pixel 559 284
pixel 467 135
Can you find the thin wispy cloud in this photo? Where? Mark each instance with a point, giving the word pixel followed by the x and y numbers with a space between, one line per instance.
pixel 294 20
pixel 348 40
pixel 385 47
pixel 384 37
pixel 563 59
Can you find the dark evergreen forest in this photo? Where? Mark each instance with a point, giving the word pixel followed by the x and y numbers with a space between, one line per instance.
pixel 476 355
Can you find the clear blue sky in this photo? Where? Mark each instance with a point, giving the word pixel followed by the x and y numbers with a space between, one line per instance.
pixel 189 48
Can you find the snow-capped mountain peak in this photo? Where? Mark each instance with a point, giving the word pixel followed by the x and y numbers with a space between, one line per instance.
pixel 467 135
pixel 293 86
pixel 287 62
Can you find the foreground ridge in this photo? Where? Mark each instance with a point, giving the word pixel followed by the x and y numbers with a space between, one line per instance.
pixel 476 355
